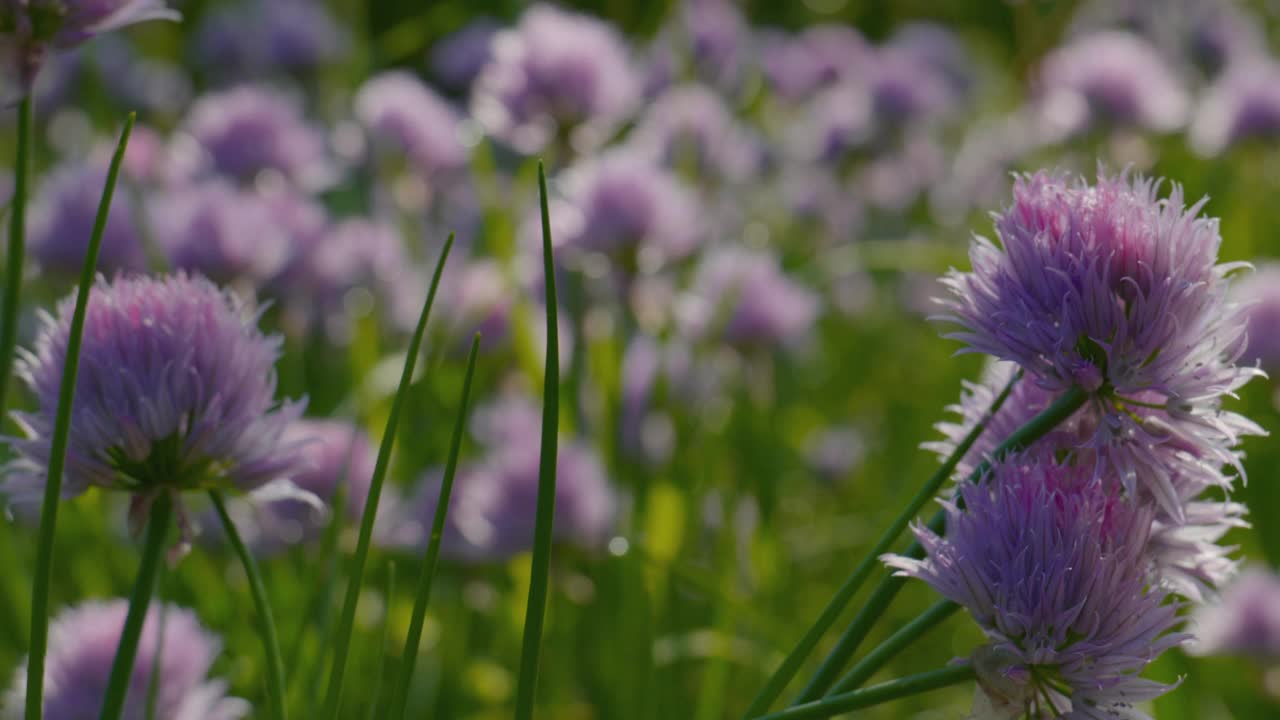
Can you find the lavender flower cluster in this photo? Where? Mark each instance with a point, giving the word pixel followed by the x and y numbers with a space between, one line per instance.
pixel 1069 553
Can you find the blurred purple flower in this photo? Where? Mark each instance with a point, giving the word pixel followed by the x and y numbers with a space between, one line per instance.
pixel 82 645
pixel 411 120
pixel 557 75
pixel 1244 621
pixel 1260 294
pixel 1053 568
pixel 1114 291
pixel 479 298
pixel 251 129
pixel 743 297
pixel 1243 104
pixel 62 219
pixel 834 452
pixel 939 49
pixel 1110 78
pixel 253 38
pixel 224 233
pixel 355 262
pixel 688 128
pixel 489 512
pixel 821 56
pixel 175 392
pixel 457 59
pixel 622 205
pixel 333 453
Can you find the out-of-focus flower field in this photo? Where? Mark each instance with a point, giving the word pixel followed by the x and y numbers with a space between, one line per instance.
pixel 751 207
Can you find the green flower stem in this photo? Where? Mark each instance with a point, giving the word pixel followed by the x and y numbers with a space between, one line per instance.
pixel 909 633
pixel 17 249
pixel 152 552
pixel 546 507
pixel 785 672
pixel 61 425
pixel 400 699
pixel 1035 428
pixel 875 695
pixel 346 622
pixel 266 624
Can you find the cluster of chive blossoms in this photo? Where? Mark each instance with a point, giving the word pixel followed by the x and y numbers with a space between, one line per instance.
pixel 1076 553
pixel 175 392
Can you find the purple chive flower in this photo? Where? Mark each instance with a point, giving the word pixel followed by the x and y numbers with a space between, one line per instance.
pixel 250 129
pixel 333 453
pixel 489 516
pixel 1053 568
pixel 252 39
pixel 714 34
pixel 796 66
pixel 62 219
pixel 1243 104
pixel 743 297
pixel 556 76
pixel 1110 78
pixel 1109 289
pixel 939 49
pixel 1244 621
pixel 1260 294
pixel 840 121
pixel 1184 552
pixel 688 128
pixel 175 392
pixel 224 233
pixel 479 298
pixel 411 120
pixel 906 86
pixel 459 57
pixel 356 262
pixel 621 205
pixel 29 27
pixel 82 645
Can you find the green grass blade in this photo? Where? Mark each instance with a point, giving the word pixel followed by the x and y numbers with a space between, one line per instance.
pixel 17 250
pixel 346 622
pixel 266 623
pixel 546 509
pixel 875 695
pixel 61 432
pixel 389 594
pixel 400 698
pixel 152 554
pixel 844 595
pixel 1035 428
pixel 896 643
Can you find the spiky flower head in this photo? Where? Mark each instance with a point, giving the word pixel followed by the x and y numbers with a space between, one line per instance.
pixel 1183 549
pixel 1111 289
pixel 175 392
pixel 82 646
pixel 557 75
pixel 1053 568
